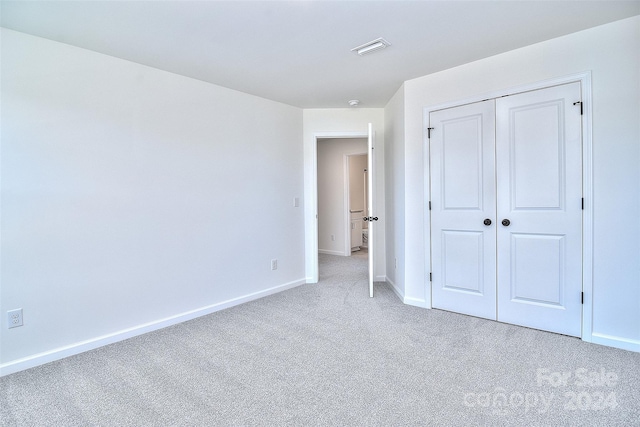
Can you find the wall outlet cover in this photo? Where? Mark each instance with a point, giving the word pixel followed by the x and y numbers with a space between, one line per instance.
pixel 14 318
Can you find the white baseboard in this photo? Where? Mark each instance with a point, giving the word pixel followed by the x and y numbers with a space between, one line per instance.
pixel 407 300
pixel 416 302
pixel 395 289
pixel 80 347
pixel 328 252
pixel 617 342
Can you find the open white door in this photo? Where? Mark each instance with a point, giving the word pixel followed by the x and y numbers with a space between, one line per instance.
pixel 370 214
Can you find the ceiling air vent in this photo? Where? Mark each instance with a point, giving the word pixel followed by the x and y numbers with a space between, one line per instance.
pixel 372 46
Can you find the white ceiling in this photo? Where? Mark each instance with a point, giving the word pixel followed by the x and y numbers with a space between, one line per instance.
pixel 299 52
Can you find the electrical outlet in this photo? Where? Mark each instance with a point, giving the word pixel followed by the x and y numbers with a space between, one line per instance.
pixel 296 202
pixel 274 264
pixel 333 238
pixel 14 318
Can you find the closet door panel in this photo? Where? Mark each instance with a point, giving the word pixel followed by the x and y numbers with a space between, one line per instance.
pixel 539 196
pixel 462 152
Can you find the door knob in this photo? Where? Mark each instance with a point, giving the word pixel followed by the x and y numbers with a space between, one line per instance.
pixel 366 218
pixel 506 222
pixel 487 221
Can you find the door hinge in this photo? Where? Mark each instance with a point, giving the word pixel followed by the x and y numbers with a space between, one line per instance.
pixel 429 132
pixel 430 277
pixel 582 298
pixel 429 204
pixel 579 102
pixel 583 203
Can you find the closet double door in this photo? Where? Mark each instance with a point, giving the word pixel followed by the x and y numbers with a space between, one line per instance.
pixel 506 209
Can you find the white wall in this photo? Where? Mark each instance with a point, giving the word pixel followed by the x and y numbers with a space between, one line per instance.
pixel 332 210
pixel 394 187
pixel 612 53
pixel 340 121
pixel 134 198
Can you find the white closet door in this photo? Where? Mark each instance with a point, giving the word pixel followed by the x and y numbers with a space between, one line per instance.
pixel 539 187
pixel 462 152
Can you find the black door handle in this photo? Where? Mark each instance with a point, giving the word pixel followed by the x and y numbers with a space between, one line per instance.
pixel 487 221
pixel 506 222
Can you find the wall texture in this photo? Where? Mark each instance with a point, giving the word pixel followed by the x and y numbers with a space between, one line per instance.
pixel 394 191
pixel 134 198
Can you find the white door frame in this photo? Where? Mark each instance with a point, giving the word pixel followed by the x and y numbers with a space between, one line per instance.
pixel 314 276
pixel 587 181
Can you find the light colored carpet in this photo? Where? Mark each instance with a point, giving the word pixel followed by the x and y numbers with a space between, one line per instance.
pixel 327 354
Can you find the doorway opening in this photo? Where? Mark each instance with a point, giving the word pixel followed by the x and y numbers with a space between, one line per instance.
pixel 312 256
pixel 342 201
